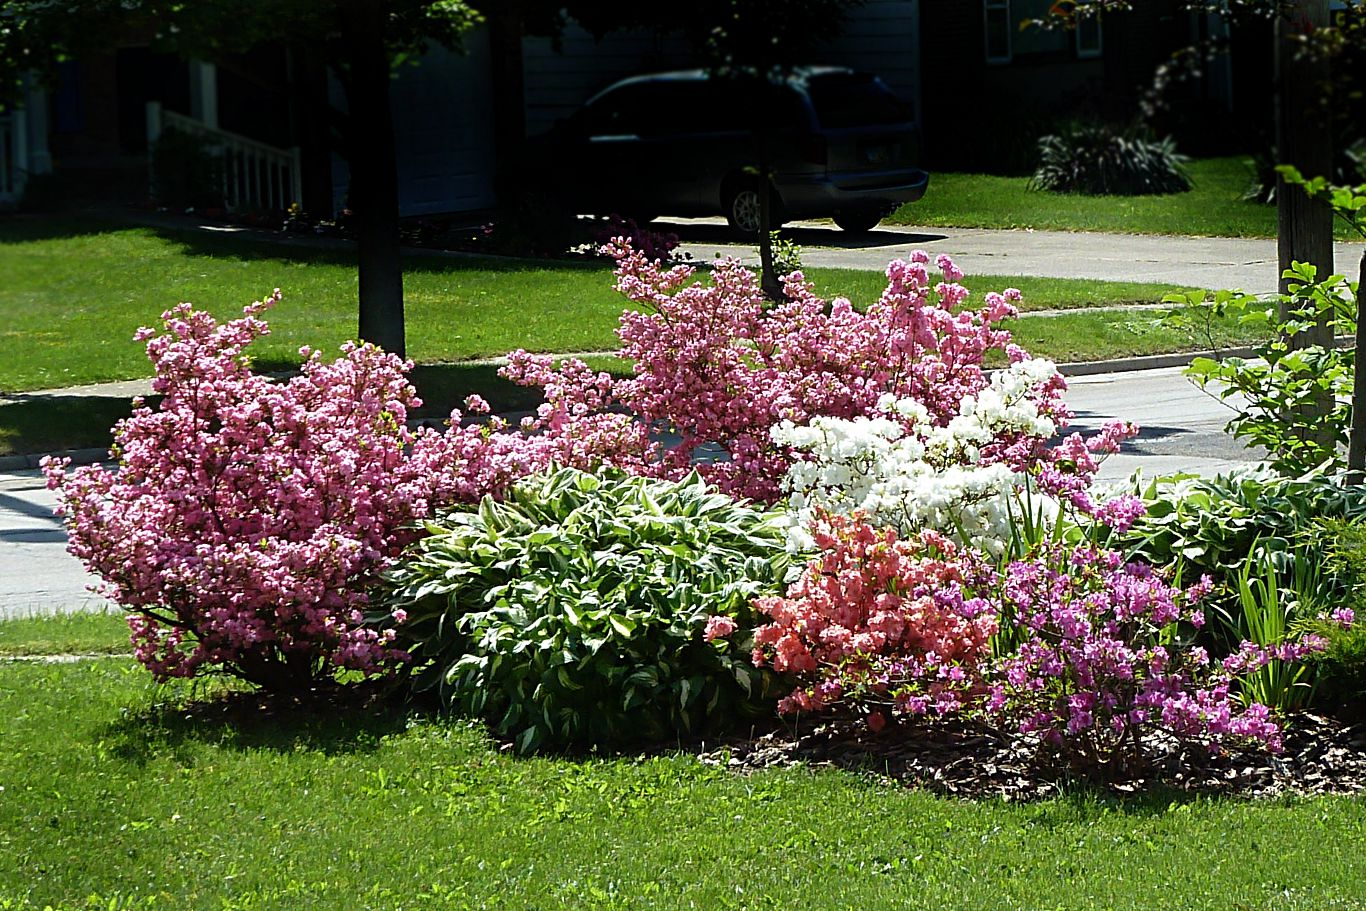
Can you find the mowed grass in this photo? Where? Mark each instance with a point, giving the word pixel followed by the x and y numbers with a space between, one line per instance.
pixel 1214 206
pixel 78 633
pixel 77 290
pixel 118 793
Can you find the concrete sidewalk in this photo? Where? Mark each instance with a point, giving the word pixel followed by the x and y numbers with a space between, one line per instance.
pixel 1200 262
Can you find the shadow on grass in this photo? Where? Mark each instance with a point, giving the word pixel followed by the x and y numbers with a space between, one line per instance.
pixel 24 227
pixel 42 422
pixel 33 423
pixel 248 245
pixel 806 236
pixel 336 719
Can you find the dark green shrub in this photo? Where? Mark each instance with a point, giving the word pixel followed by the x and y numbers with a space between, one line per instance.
pixel 186 172
pixel 572 613
pixel 1215 525
pixel 1101 161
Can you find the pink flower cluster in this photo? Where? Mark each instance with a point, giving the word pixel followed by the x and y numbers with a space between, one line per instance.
pixel 247 517
pixel 878 620
pixel 719 366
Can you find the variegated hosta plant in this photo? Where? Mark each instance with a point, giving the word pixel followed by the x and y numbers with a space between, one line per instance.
pixel 573 613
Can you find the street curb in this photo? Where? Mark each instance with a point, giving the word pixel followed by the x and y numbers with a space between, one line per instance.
pixel 1147 362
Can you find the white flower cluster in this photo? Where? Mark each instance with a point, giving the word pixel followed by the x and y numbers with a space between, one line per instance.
pixel 904 471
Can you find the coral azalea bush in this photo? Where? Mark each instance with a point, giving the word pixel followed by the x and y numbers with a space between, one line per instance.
pixel 879 621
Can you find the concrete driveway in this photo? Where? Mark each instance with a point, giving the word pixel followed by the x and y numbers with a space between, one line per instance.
pixel 1200 262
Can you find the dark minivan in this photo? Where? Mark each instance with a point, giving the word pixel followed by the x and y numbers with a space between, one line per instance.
pixel 839 144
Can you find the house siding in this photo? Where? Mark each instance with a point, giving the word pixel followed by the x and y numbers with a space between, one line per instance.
pixel 443 132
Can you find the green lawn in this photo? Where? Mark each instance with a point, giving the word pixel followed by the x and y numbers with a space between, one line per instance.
pixel 120 794
pixel 77 290
pixel 1214 207
pixel 84 633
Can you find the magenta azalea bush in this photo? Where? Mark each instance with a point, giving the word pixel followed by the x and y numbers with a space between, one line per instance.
pixel 247 518
pixel 1092 655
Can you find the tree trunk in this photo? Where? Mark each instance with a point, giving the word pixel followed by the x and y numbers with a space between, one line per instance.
pixel 1356 445
pixel 768 274
pixel 1304 226
pixel 506 27
pixel 374 174
pixel 1303 139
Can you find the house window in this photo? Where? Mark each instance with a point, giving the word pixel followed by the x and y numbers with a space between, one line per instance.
pixel 998 30
pixel 1088 36
pixel 1008 36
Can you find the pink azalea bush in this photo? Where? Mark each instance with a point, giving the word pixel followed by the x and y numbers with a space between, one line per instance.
pixel 719 366
pixel 247 518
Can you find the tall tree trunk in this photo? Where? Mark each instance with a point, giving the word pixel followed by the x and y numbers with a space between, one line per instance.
pixel 768 273
pixel 374 174
pixel 1303 139
pixel 506 27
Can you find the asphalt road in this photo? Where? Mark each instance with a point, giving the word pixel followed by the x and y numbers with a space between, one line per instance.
pixel 1182 431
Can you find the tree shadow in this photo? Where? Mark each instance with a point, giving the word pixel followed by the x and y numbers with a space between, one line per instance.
pixel 334 719
pixel 47 422
pixel 254 244
pixel 18 228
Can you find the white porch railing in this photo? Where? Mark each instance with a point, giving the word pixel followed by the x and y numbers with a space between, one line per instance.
pixel 13 157
pixel 255 175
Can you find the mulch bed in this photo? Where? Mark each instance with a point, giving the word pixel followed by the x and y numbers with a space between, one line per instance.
pixel 1322 756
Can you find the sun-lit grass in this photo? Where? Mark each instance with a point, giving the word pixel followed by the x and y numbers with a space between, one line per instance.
pixel 77 289
pixel 118 794
pixel 79 633
pixel 1214 206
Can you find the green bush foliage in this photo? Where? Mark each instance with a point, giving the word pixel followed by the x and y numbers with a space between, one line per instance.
pixel 572 613
pixel 1215 525
pixel 1103 161
pixel 1342 666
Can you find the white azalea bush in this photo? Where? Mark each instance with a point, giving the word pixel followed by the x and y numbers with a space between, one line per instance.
pixel 902 470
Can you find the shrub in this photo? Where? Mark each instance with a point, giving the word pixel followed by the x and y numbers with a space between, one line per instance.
pixel 962 480
pixel 1341 666
pixel 720 366
pixel 1290 398
pixel 1216 525
pixel 246 517
pixel 1105 661
pixel 879 622
pixel 575 613
pixel 656 246
pixel 1102 161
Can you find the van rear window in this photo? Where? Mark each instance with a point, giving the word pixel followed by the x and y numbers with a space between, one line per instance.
pixel 855 100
